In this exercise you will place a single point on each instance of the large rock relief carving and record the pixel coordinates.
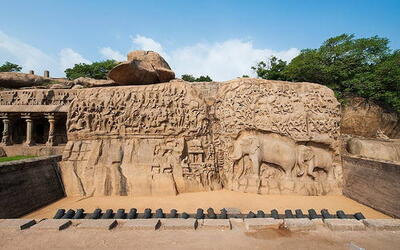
(247, 135)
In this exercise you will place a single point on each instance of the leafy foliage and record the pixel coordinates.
(190, 78)
(10, 67)
(363, 67)
(96, 70)
(273, 69)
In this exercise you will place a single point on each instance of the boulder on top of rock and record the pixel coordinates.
(16, 80)
(142, 67)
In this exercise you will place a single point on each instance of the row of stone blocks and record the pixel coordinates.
(253, 224)
(225, 213)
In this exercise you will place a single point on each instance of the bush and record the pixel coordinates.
(96, 70)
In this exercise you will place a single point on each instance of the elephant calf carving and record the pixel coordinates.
(269, 148)
(313, 157)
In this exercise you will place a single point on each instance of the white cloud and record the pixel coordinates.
(68, 58)
(109, 53)
(221, 61)
(32, 58)
(145, 43)
(29, 57)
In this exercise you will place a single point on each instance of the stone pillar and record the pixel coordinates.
(51, 140)
(6, 140)
(46, 74)
(29, 130)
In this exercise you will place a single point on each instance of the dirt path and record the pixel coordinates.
(189, 202)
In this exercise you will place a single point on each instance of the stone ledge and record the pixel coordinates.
(215, 224)
(97, 224)
(344, 224)
(53, 224)
(178, 224)
(16, 224)
(262, 223)
(302, 224)
(383, 224)
(141, 224)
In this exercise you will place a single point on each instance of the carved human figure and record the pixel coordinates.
(270, 148)
(312, 157)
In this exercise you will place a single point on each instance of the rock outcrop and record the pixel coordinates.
(175, 137)
(142, 67)
(387, 150)
(16, 80)
(366, 119)
(90, 82)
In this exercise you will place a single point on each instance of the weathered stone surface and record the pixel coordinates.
(38, 175)
(16, 224)
(178, 137)
(17, 80)
(142, 67)
(97, 224)
(178, 224)
(53, 224)
(344, 224)
(215, 224)
(373, 183)
(364, 118)
(2, 152)
(299, 224)
(388, 150)
(262, 223)
(90, 82)
(142, 224)
(383, 224)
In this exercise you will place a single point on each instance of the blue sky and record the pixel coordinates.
(219, 38)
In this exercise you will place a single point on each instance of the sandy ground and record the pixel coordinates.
(323, 238)
(189, 202)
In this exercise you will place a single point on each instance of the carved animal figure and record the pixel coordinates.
(269, 148)
(312, 157)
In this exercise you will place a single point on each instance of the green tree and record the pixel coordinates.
(10, 67)
(273, 69)
(96, 70)
(363, 67)
(190, 78)
(340, 62)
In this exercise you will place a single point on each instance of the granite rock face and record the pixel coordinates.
(363, 118)
(175, 137)
(142, 67)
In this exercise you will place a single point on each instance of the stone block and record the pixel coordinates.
(215, 224)
(318, 221)
(53, 224)
(97, 224)
(299, 224)
(232, 210)
(383, 224)
(142, 224)
(344, 224)
(178, 224)
(16, 224)
(262, 223)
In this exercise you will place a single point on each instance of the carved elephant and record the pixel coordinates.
(313, 157)
(269, 148)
